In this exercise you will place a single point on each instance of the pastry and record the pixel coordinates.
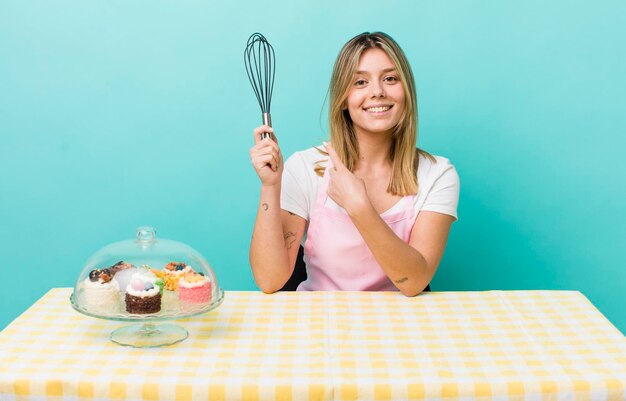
(119, 266)
(99, 294)
(194, 288)
(123, 273)
(151, 275)
(142, 296)
(173, 272)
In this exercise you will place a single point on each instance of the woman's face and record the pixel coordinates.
(376, 98)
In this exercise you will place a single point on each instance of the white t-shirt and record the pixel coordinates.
(438, 185)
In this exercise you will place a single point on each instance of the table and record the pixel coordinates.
(494, 345)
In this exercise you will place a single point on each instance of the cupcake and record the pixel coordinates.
(173, 272)
(142, 296)
(152, 275)
(194, 288)
(122, 273)
(100, 294)
(119, 266)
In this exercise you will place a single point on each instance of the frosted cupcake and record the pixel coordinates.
(142, 296)
(194, 288)
(153, 276)
(119, 266)
(100, 294)
(122, 273)
(173, 272)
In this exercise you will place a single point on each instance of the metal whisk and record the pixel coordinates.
(259, 60)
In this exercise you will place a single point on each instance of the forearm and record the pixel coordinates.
(405, 266)
(268, 255)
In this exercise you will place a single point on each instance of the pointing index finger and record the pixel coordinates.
(334, 157)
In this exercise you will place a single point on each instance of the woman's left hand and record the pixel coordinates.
(346, 189)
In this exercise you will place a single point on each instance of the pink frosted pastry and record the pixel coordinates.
(194, 288)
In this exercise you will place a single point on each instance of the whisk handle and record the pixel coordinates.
(267, 120)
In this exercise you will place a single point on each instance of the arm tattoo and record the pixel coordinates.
(290, 238)
(265, 206)
(402, 280)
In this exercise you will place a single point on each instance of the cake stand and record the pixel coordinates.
(125, 261)
(148, 331)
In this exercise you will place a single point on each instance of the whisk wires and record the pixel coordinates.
(259, 61)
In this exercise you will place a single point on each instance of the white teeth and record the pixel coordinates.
(378, 109)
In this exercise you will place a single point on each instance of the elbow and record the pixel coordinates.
(267, 289)
(410, 292)
(267, 286)
(268, 282)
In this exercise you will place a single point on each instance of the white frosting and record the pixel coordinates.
(123, 277)
(142, 293)
(184, 283)
(101, 298)
(145, 275)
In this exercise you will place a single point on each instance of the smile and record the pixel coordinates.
(377, 109)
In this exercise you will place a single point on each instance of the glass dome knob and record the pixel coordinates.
(146, 234)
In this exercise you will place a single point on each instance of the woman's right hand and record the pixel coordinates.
(266, 157)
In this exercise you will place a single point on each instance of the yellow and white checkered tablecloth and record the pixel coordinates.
(496, 345)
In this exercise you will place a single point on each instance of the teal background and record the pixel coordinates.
(115, 114)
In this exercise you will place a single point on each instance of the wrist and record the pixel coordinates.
(359, 208)
(270, 190)
(275, 186)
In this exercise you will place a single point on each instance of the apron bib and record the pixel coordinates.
(337, 257)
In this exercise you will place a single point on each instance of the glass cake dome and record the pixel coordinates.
(146, 280)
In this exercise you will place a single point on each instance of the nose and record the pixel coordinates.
(377, 89)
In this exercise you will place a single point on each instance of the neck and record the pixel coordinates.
(373, 151)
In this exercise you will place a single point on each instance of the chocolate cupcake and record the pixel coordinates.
(142, 296)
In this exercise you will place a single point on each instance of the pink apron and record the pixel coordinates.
(337, 257)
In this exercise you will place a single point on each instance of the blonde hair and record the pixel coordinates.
(404, 155)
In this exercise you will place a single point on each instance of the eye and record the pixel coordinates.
(391, 79)
(360, 82)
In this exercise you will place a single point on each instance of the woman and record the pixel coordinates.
(375, 210)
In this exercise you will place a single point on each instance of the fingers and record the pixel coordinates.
(266, 144)
(266, 153)
(264, 161)
(259, 131)
(334, 157)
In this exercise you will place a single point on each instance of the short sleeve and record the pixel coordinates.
(294, 197)
(443, 196)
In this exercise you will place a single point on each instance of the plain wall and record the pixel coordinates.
(116, 114)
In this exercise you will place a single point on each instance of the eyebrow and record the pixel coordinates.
(383, 71)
